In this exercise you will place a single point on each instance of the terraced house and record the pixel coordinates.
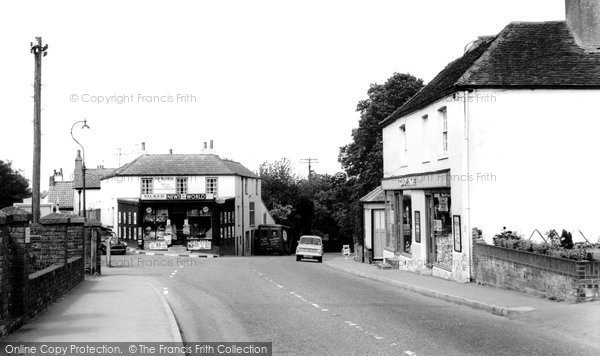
(505, 136)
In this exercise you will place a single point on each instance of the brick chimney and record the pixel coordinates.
(78, 164)
(583, 20)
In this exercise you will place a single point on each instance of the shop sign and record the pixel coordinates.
(199, 245)
(164, 184)
(422, 181)
(437, 225)
(176, 196)
(157, 245)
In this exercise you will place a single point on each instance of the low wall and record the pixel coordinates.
(555, 278)
(49, 284)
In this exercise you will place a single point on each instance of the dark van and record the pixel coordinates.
(273, 238)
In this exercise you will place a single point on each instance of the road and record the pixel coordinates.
(306, 308)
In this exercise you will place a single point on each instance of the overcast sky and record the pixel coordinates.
(263, 79)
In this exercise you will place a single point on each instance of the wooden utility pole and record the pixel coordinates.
(38, 51)
(310, 161)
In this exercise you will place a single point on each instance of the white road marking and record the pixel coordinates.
(324, 309)
(166, 290)
(410, 353)
(279, 286)
(316, 305)
(378, 337)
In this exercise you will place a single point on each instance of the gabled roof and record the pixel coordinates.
(523, 55)
(61, 193)
(92, 177)
(181, 165)
(375, 196)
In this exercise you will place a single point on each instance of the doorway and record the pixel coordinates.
(378, 220)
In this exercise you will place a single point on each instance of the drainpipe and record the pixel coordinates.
(467, 201)
(243, 227)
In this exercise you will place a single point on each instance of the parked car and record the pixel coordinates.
(117, 246)
(310, 247)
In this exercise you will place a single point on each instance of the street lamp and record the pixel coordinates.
(84, 126)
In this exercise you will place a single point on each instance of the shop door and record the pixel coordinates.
(430, 240)
(177, 219)
(378, 233)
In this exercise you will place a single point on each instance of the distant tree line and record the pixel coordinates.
(329, 205)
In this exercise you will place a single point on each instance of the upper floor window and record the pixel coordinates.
(146, 185)
(424, 138)
(404, 146)
(211, 185)
(182, 185)
(444, 120)
(252, 213)
(245, 185)
(256, 186)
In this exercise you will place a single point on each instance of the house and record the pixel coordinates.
(200, 196)
(504, 136)
(60, 192)
(93, 197)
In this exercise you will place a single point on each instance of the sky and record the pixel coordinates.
(262, 79)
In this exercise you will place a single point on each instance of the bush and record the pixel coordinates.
(566, 239)
(507, 239)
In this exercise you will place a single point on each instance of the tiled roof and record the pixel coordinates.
(182, 164)
(375, 196)
(92, 177)
(522, 55)
(61, 193)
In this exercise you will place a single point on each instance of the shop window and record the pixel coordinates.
(444, 119)
(211, 186)
(390, 219)
(182, 185)
(406, 224)
(442, 229)
(146, 185)
(252, 214)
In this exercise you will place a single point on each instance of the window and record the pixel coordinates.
(404, 146)
(182, 185)
(211, 186)
(256, 186)
(252, 213)
(245, 185)
(146, 185)
(444, 119)
(424, 141)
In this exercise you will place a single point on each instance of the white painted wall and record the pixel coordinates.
(542, 146)
(530, 163)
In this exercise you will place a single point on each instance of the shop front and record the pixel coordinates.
(419, 221)
(196, 221)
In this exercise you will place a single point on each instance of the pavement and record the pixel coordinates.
(115, 307)
(577, 320)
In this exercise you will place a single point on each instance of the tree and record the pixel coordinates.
(13, 186)
(362, 159)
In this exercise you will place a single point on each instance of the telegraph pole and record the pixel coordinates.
(38, 51)
(310, 161)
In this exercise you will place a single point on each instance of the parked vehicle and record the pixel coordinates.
(310, 247)
(117, 246)
(273, 238)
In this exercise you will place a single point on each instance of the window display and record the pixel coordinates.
(442, 229)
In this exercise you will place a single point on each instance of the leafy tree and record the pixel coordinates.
(362, 159)
(13, 186)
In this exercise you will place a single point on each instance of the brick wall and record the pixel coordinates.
(34, 274)
(556, 278)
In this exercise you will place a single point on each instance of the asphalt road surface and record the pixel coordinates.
(306, 308)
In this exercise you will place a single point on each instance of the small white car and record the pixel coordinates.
(310, 247)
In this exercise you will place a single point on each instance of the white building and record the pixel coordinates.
(504, 136)
(218, 199)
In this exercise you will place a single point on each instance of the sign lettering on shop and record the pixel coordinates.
(176, 196)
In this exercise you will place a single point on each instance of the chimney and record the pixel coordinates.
(77, 172)
(51, 183)
(144, 147)
(170, 151)
(583, 20)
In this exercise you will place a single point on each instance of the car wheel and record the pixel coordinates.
(298, 258)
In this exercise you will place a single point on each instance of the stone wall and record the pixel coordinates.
(555, 278)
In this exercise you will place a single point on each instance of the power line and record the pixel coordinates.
(310, 161)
